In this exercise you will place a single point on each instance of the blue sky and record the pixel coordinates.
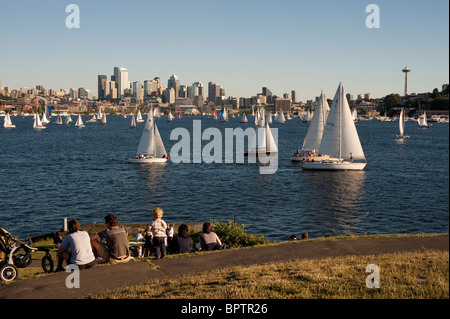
(243, 45)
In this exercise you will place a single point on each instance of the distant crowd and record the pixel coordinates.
(112, 246)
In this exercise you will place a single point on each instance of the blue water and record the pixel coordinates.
(63, 171)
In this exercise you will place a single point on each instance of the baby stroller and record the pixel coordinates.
(18, 255)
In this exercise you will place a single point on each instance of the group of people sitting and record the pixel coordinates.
(111, 245)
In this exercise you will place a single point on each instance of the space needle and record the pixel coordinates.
(406, 70)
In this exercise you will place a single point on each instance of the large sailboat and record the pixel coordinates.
(340, 140)
(401, 125)
(313, 138)
(151, 148)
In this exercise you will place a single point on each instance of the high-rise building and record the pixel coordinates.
(169, 95)
(268, 94)
(174, 82)
(121, 80)
(294, 94)
(101, 86)
(213, 91)
(138, 92)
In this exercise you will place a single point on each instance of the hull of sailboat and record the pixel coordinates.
(147, 160)
(39, 127)
(259, 153)
(302, 158)
(9, 126)
(334, 166)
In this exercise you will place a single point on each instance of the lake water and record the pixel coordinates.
(83, 173)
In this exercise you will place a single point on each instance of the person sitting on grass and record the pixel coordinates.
(182, 241)
(209, 239)
(75, 248)
(117, 248)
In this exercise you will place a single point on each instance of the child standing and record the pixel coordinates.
(139, 251)
(159, 228)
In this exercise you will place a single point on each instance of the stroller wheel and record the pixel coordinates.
(47, 263)
(8, 272)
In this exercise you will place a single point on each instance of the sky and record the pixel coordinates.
(243, 45)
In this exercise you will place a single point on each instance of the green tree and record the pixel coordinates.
(391, 100)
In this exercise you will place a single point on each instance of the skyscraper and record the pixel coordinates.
(101, 86)
(174, 82)
(121, 79)
(294, 94)
(213, 91)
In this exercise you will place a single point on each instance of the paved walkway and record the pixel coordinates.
(106, 277)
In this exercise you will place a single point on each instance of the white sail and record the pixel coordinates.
(244, 118)
(170, 117)
(314, 134)
(340, 137)
(133, 122)
(271, 146)
(225, 115)
(281, 118)
(257, 117)
(422, 120)
(146, 143)
(401, 123)
(7, 122)
(160, 150)
(157, 113)
(139, 117)
(103, 121)
(37, 122)
(269, 118)
(44, 119)
(68, 119)
(79, 122)
(59, 120)
(355, 115)
(262, 118)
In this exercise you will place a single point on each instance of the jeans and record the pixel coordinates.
(159, 246)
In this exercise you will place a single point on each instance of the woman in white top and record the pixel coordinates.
(209, 239)
(76, 248)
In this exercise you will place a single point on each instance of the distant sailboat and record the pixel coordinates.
(170, 117)
(264, 143)
(340, 140)
(355, 115)
(79, 122)
(244, 118)
(151, 148)
(223, 115)
(401, 125)
(281, 118)
(133, 122)
(7, 122)
(103, 120)
(38, 123)
(59, 120)
(93, 119)
(422, 120)
(139, 117)
(45, 120)
(68, 120)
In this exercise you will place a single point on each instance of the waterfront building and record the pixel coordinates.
(74, 93)
(121, 80)
(283, 105)
(169, 95)
(148, 88)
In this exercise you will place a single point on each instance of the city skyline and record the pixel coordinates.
(243, 46)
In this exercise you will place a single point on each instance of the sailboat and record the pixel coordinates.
(151, 148)
(263, 143)
(93, 119)
(422, 120)
(103, 120)
(59, 120)
(139, 117)
(244, 118)
(340, 140)
(79, 122)
(38, 123)
(133, 122)
(401, 125)
(223, 115)
(355, 115)
(281, 118)
(45, 120)
(68, 119)
(7, 122)
(170, 117)
(313, 137)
